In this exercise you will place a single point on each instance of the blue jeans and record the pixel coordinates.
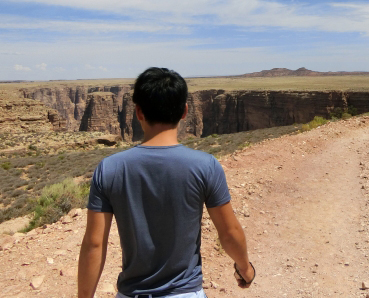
(198, 294)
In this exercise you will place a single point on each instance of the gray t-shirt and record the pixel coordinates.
(157, 196)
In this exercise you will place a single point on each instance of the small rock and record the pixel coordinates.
(108, 288)
(206, 285)
(6, 242)
(32, 233)
(60, 252)
(222, 290)
(37, 282)
(75, 212)
(347, 264)
(50, 260)
(68, 272)
(214, 285)
(67, 219)
(18, 235)
(365, 285)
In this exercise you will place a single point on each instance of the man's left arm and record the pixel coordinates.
(93, 252)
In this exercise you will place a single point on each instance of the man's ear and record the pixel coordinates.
(185, 112)
(139, 114)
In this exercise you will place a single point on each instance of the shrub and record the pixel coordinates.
(337, 113)
(346, 116)
(32, 147)
(57, 200)
(316, 122)
(6, 165)
(346, 113)
(352, 111)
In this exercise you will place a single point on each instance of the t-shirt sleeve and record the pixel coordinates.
(98, 200)
(217, 192)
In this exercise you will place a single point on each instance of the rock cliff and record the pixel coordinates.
(70, 101)
(101, 113)
(110, 108)
(19, 114)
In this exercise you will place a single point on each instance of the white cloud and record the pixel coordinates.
(159, 15)
(11, 22)
(41, 66)
(11, 53)
(90, 67)
(59, 69)
(19, 67)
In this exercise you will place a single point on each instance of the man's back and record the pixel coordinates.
(157, 194)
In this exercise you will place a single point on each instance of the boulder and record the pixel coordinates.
(109, 140)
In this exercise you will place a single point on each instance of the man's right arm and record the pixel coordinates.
(232, 239)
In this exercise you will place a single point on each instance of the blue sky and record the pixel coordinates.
(82, 39)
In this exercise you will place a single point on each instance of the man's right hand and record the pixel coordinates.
(248, 275)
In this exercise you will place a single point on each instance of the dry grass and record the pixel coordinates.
(37, 143)
(72, 83)
(25, 177)
(220, 145)
(344, 83)
(323, 83)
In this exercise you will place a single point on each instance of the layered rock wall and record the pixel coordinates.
(19, 115)
(71, 101)
(210, 111)
(101, 113)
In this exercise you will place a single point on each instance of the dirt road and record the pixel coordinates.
(302, 200)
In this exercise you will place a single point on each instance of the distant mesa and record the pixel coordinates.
(302, 71)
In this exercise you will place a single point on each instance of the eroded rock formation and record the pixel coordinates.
(70, 101)
(101, 113)
(210, 111)
(24, 115)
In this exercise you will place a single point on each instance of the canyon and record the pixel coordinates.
(215, 111)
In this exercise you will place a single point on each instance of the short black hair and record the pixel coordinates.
(161, 94)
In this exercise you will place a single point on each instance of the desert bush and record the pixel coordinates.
(15, 172)
(337, 113)
(340, 113)
(316, 122)
(32, 147)
(352, 111)
(6, 165)
(17, 193)
(346, 116)
(57, 200)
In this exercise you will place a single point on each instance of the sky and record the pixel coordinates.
(91, 39)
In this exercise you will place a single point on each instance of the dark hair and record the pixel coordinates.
(161, 94)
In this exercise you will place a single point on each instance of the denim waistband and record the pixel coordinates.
(198, 294)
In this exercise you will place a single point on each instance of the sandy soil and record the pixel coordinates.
(302, 200)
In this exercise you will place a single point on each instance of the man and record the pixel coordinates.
(156, 192)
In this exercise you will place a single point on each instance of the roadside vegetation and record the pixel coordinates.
(337, 114)
(57, 200)
(24, 178)
(49, 185)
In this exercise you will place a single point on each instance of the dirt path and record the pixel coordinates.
(303, 201)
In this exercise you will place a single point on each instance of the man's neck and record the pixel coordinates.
(160, 135)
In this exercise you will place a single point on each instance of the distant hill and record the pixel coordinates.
(284, 72)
